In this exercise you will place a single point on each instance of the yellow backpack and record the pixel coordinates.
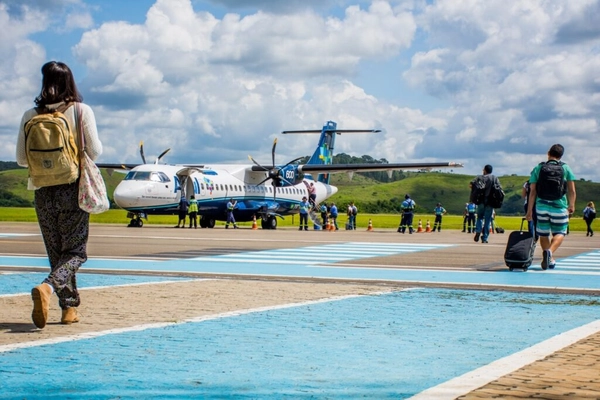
(52, 153)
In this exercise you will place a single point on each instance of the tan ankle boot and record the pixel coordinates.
(41, 304)
(69, 316)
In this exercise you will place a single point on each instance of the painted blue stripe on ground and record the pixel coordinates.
(560, 278)
(387, 346)
(13, 283)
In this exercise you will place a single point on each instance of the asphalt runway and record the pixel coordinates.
(322, 314)
(440, 259)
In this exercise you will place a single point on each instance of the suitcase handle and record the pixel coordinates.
(522, 221)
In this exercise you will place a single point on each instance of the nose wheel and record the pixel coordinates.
(136, 220)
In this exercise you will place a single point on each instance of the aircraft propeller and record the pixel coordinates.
(274, 172)
(157, 159)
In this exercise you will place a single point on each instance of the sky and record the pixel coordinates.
(474, 81)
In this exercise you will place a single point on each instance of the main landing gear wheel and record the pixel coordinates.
(269, 222)
(206, 222)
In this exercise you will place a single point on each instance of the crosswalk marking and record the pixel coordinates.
(581, 264)
(325, 254)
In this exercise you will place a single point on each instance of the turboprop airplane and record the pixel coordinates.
(264, 192)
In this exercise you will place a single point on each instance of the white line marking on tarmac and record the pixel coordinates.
(472, 380)
(143, 327)
(117, 286)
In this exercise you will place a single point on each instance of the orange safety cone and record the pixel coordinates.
(370, 227)
(327, 226)
(428, 227)
(420, 227)
(254, 226)
(332, 226)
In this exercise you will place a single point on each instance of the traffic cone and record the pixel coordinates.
(370, 227)
(254, 226)
(327, 226)
(420, 227)
(428, 227)
(332, 226)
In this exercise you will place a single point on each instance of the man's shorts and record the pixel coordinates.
(551, 220)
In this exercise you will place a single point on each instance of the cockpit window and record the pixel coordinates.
(146, 176)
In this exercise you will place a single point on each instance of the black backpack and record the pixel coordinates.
(551, 183)
(477, 190)
(496, 196)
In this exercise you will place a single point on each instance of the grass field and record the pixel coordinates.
(381, 221)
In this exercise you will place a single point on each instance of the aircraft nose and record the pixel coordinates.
(125, 196)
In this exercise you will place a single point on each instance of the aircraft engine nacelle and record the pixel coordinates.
(289, 175)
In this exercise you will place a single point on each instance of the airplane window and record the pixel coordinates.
(230, 187)
(155, 177)
(138, 176)
(163, 177)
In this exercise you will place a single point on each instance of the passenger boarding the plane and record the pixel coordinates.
(312, 194)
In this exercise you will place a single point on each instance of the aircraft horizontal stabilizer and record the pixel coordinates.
(338, 131)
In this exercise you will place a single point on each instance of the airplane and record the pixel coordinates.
(262, 192)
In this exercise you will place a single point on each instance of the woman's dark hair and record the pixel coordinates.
(58, 85)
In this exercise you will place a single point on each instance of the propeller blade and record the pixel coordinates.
(273, 150)
(263, 181)
(142, 151)
(161, 155)
(293, 161)
(254, 161)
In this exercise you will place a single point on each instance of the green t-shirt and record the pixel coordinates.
(563, 202)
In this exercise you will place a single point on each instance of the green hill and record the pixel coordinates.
(14, 192)
(370, 195)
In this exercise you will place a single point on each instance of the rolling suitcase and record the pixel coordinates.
(519, 249)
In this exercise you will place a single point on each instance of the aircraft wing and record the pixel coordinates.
(117, 166)
(333, 168)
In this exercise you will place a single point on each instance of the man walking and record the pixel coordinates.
(481, 187)
(552, 193)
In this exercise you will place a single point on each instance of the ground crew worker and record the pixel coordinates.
(230, 218)
(469, 222)
(304, 207)
(193, 212)
(439, 212)
(408, 207)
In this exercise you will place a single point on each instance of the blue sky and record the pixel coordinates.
(478, 81)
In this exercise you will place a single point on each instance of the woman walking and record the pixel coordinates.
(63, 224)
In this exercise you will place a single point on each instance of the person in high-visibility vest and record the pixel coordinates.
(193, 212)
(230, 218)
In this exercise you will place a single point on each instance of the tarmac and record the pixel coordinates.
(378, 258)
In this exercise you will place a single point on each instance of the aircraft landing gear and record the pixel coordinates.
(136, 220)
(268, 222)
(206, 222)
(135, 223)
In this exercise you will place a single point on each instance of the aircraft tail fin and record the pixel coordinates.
(323, 154)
